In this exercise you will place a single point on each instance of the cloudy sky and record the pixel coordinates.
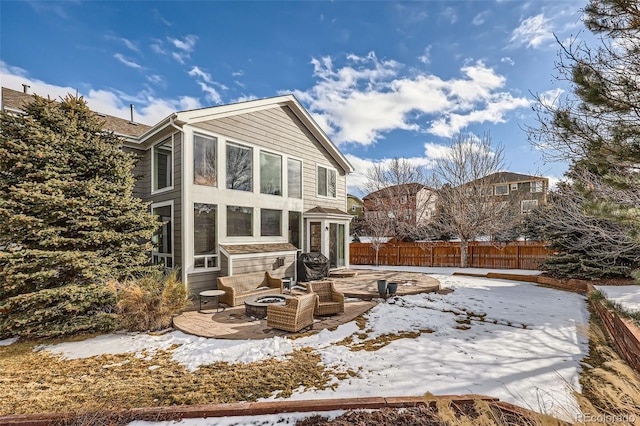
(383, 78)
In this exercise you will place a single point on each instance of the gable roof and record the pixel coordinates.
(14, 101)
(510, 177)
(389, 191)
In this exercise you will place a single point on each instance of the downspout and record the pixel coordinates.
(183, 272)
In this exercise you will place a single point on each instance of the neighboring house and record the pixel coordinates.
(412, 204)
(240, 187)
(524, 192)
(356, 210)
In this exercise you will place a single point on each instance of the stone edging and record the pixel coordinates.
(263, 408)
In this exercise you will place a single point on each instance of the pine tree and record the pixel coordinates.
(596, 127)
(68, 220)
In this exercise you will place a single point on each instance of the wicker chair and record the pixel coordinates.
(294, 316)
(330, 301)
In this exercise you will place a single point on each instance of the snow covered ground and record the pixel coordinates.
(628, 296)
(512, 340)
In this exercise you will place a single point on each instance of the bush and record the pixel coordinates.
(150, 301)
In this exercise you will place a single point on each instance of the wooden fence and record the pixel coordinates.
(512, 255)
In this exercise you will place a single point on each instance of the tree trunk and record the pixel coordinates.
(464, 253)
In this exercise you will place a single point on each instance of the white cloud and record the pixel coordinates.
(425, 58)
(480, 18)
(156, 79)
(368, 97)
(180, 56)
(127, 62)
(149, 109)
(211, 94)
(186, 44)
(131, 45)
(533, 32)
(507, 60)
(156, 47)
(551, 97)
(197, 72)
(356, 181)
(450, 14)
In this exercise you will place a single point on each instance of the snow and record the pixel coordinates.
(263, 420)
(513, 340)
(7, 342)
(628, 296)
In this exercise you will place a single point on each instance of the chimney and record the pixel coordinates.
(25, 88)
(132, 107)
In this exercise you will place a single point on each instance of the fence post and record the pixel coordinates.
(518, 257)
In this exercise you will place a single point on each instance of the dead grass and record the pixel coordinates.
(38, 382)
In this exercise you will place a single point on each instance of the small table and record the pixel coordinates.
(286, 283)
(211, 293)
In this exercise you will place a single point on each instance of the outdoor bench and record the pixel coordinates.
(239, 287)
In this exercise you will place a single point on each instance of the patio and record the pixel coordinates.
(359, 290)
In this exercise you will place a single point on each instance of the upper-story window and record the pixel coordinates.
(536, 186)
(270, 173)
(326, 182)
(204, 161)
(162, 165)
(239, 167)
(514, 186)
(294, 178)
(501, 189)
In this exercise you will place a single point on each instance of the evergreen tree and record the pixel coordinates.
(68, 220)
(596, 127)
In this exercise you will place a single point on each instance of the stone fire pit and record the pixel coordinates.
(256, 306)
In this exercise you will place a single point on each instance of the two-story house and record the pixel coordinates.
(240, 188)
(412, 204)
(523, 192)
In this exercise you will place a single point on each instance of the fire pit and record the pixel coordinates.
(256, 306)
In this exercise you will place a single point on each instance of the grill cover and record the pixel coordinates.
(312, 266)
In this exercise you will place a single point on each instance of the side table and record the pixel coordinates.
(286, 283)
(211, 293)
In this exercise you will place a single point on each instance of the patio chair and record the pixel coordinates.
(295, 315)
(330, 301)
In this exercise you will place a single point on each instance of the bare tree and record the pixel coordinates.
(466, 206)
(399, 194)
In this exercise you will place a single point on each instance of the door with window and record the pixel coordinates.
(336, 245)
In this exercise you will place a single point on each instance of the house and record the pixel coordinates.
(412, 204)
(354, 206)
(240, 188)
(524, 192)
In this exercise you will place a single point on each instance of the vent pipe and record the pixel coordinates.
(132, 107)
(25, 88)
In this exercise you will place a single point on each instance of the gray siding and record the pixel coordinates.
(280, 130)
(202, 281)
(261, 263)
(141, 172)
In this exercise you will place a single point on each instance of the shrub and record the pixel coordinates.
(150, 301)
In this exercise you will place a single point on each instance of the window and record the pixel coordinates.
(204, 161)
(205, 241)
(294, 178)
(270, 223)
(501, 189)
(239, 221)
(315, 237)
(295, 219)
(162, 159)
(536, 186)
(527, 205)
(514, 186)
(239, 167)
(403, 199)
(326, 182)
(270, 174)
(353, 207)
(161, 239)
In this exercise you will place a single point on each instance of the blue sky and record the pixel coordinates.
(382, 78)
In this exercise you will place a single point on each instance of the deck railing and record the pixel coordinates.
(493, 255)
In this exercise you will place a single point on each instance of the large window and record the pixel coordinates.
(295, 224)
(326, 182)
(204, 161)
(162, 170)
(270, 223)
(501, 189)
(162, 238)
(205, 241)
(536, 186)
(294, 178)
(527, 205)
(270, 174)
(239, 221)
(239, 167)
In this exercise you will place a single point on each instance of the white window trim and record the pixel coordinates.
(316, 182)
(281, 222)
(285, 185)
(525, 201)
(153, 167)
(282, 171)
(500, 195)
(514, 187)
(535, 182)
(254, 224)
(216, 139)
(154, 253)
(192, 253)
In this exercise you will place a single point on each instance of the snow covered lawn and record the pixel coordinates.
(512, 340)
(628, 296)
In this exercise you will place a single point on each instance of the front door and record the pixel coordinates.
(336, 245)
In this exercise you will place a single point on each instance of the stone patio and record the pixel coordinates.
(360, 290)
